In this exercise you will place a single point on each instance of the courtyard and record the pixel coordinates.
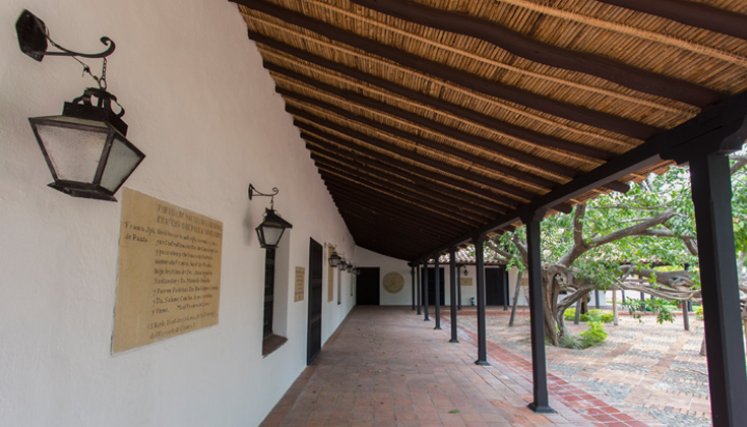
(644, 368)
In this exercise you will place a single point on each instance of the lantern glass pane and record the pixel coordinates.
(272, 235)
(75, 153)
(122, 161)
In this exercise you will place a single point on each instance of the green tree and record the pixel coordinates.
(617, 235)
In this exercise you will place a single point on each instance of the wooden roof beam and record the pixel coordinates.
(373, 192)
(427, 178)
(425, 197)
(415, 229)
(463, 78)
(537, 51)
(707, 128)
(411, 229)
(411, 189)
(403, 177)
(377, 199)
(532, 137)
(319, 125)
(488, 145)
(690, 13)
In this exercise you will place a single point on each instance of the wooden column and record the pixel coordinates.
(711, 188)
(453, 273)
(459, 289)
(418, 288)
(537, 319)
(482, 350)
(412, 286)
(437, 287)
(426, 303)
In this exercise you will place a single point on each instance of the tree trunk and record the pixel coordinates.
(516, 299)
(614, 306)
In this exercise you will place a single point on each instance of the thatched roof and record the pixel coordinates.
(428, 120)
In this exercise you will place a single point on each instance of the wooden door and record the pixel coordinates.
(432, 286)
(367, 286)
(496, 286)
(314, 333)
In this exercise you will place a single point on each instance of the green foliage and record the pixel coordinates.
(699, 312)
(662, 308)
(616, 211)
(590, 316)
(595, 335)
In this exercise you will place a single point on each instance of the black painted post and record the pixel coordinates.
(503, 272)
(412, 286)
(596, 299)
(537, 318)
(437, 287)
(453, 273)
(482, 348)
(459, 288)
(426, 303)
(418, 289)
(685, 316)
(711, 191)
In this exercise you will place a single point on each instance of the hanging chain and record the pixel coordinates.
(101, 81)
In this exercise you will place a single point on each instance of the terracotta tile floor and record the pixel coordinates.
(387, 367)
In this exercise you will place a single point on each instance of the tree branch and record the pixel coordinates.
(633, 230)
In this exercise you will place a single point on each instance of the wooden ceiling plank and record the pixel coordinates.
(706, 129)
(538, 139)
(403, 187)
(427, 178)
(538, 51)
(440, 148)
(404, 225)
(509, 189)
(491, 146)
(403, 177)
(472, 81)
(425, 197)
(340, 186)
(375, 194)
(690, 13)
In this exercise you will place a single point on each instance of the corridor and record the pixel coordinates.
(387, 367)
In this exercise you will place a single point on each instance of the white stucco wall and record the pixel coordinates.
(367, 258)
(203, 109)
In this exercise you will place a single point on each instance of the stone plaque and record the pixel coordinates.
(298, 295)
(393, 282)
(466, 281)
(169, 271)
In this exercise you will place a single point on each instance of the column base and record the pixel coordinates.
(482, 363)
(437, 328)
(454, 341)
(541, 409)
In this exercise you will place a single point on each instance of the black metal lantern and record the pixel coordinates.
(271, 230)
(85, 148)
(334, 260)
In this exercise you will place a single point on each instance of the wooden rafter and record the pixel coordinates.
(691, 13)
(527, 47)
(472, 81)
(537, 138)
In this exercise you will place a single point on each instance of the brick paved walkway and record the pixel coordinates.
(650, 371)
(386, 367)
